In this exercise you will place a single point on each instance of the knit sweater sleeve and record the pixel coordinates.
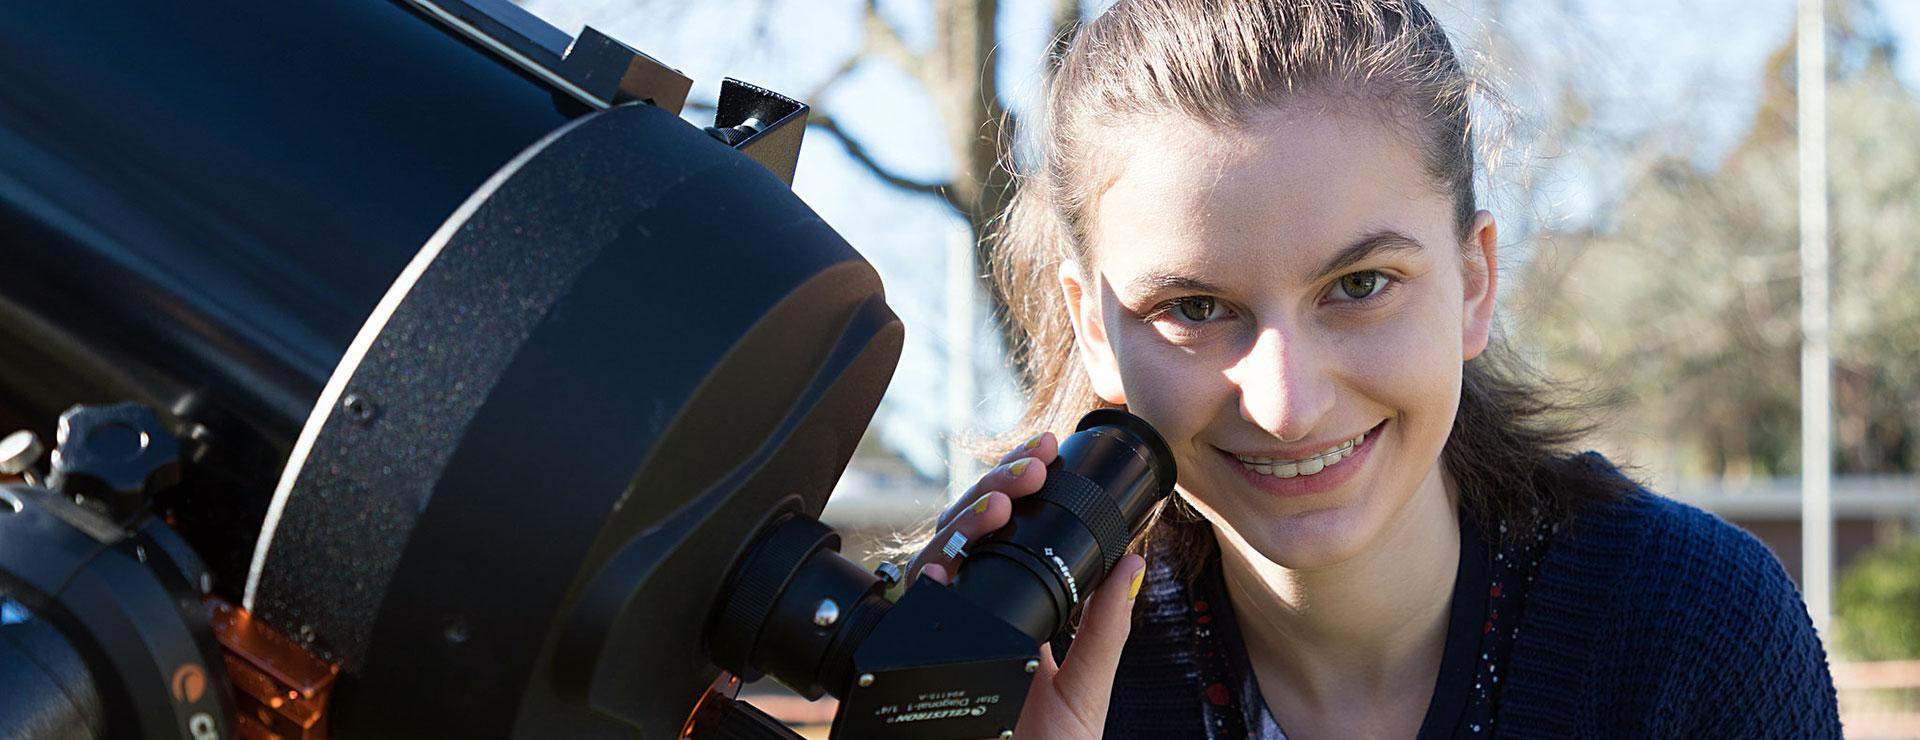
(1709, 638)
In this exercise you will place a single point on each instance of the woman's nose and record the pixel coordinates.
(1284, 387)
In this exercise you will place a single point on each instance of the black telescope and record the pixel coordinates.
(411, 368)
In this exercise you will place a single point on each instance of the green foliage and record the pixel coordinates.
(1878, 604)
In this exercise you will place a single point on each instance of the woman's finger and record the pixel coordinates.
(1085, 680)
(987, 513)
(1042, 445)
(1017, 477)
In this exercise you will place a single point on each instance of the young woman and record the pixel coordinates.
(1253, 224)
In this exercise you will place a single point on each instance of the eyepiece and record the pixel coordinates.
(1030, 574)
(1062, 540)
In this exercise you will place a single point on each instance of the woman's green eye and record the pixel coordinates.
(1196, 308)
(1360, 285)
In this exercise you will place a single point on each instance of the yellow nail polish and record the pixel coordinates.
(980, 507)
(1032, 443)
(1017, 468)
(1138, 577)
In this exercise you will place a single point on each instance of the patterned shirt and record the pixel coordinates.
(1488, 601)
(1644, 617)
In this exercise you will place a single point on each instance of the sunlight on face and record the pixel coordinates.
(1288, 303)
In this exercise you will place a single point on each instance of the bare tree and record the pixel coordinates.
(958, 74)
(1686, 299)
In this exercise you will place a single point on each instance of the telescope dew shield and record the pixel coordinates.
(479, 388)
(202, 203)
(514, 463)
(615, 363)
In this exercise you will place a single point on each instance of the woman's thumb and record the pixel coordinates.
(1086, 680)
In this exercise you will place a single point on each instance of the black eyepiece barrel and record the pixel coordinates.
(1062, 541)
(799, 612)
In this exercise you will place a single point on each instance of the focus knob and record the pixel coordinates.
(111, 457)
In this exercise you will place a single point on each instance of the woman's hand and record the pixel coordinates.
(1065, 701)
(986, 506)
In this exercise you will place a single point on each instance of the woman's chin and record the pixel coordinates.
(1310, 540)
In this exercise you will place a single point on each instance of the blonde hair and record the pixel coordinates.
(1221, 63)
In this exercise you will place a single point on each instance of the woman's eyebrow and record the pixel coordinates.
(1385, 240)
(1154, 282)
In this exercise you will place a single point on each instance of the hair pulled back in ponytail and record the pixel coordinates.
(1220, 64)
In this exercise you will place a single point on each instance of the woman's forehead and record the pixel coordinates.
(1284, 193)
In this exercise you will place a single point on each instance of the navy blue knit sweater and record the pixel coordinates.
(1648, 618)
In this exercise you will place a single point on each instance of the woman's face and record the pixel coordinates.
(1290, 304)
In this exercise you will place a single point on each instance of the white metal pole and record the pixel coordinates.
(960, 400)
(1816, 361)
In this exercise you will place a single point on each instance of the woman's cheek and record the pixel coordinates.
(1397, 354)
(1410, 365)
(1419, 340)
(1170, 386)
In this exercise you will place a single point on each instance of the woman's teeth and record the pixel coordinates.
(1309, 466)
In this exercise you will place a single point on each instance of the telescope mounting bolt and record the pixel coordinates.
(113, 457)
(20, 452)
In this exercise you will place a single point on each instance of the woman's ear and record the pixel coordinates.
(1482, 271)
(1090, 332)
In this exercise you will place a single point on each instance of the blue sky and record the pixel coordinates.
(1690, 68)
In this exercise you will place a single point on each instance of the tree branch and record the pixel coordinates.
(860, 154)
(819, 91)
(883, 39)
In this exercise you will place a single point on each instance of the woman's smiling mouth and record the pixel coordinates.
(1308, 466)
(1312, 474)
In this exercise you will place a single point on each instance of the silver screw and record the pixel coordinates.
(1033, 666)
(866, 679)
(1006, 735)
(826, 613)
(955, 545)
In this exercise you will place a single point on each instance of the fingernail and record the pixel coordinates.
(1020, 467)
(1032, 443)
(1138, 576)
(980, 506)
